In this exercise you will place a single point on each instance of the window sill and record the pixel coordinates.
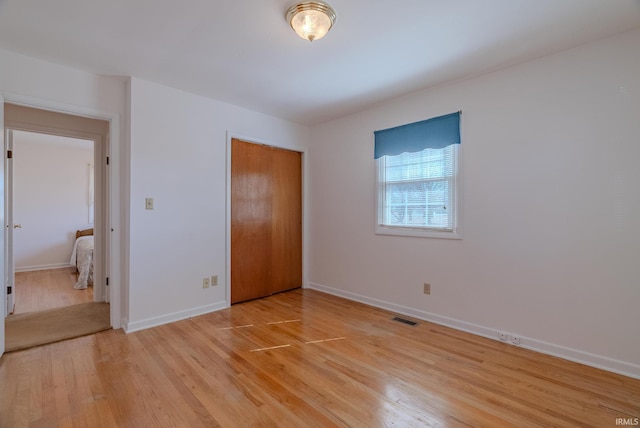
(417, 232)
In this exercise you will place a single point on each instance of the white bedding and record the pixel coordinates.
(82, 258)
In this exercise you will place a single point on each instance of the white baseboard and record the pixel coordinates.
(42, 267)
(575, 355)
(130, 327)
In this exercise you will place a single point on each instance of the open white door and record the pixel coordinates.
(9, 268)
(2, 275)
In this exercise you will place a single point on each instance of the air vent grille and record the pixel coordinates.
(405, 321)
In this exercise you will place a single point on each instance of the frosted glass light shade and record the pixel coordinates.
(311, 20)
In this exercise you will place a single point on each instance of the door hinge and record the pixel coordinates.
(9, 154)
(9, 290)
(107, 282)
(107, 160)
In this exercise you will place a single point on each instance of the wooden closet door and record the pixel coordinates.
(250, 221)
(286, 220)
(266, 220)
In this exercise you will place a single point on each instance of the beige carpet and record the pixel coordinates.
(38, 328)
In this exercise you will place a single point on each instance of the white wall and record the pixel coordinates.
(51, 195)
(178, 157)
(52, 83)
(551, 205)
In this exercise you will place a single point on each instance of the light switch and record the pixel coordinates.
(148, 203)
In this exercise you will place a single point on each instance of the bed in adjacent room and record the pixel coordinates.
(82, 258)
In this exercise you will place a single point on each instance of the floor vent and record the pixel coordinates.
(405, 321)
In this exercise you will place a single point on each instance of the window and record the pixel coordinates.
(417, 179)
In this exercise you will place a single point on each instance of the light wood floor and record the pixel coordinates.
(48, 289)
(303, 359)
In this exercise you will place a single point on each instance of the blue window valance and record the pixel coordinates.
(434, 133)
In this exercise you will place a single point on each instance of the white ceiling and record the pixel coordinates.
(243, 52)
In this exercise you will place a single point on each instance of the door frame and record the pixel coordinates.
(287, 146)
(3, 313)
(112, 194)
(9, 279)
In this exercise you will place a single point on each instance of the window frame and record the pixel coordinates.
(423, 232)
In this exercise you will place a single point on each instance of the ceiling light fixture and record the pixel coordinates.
(311, 20)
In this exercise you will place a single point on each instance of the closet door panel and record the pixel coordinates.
(251, 189)
(266, 220)
(286, 220)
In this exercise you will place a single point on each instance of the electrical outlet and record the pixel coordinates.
(214, 280)
(427, 288)
(503, 336)
(515, 340)
(206, 282)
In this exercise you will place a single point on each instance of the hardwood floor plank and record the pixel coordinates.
(271, 394)
(210, 390)
(48, 289)
(331, 363)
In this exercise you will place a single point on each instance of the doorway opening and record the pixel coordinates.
(56, 189)
(53, 201)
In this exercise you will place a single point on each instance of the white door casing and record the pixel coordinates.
(2, 274)
(34, 119)
(112, 194)
(9, 268)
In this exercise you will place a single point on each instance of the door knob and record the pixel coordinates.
(17, 226)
